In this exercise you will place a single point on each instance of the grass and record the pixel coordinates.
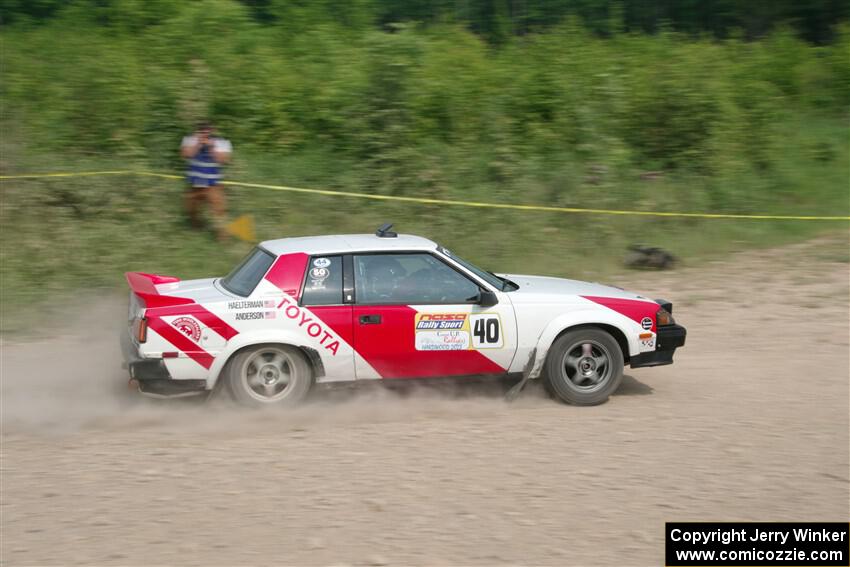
(66, 236)
(80, 234)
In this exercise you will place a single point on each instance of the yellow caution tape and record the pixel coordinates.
(72, 174)
(447, 202)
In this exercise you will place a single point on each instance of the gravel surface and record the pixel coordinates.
(750, 423)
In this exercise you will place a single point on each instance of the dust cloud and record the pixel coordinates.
(69, 374)
(70, 378)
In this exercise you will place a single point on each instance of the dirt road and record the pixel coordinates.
(750, 423)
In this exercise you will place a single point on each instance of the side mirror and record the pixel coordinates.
(487, 298)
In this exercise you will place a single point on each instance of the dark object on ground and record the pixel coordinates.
(649, 257)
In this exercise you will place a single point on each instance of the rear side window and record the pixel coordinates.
(245, 277)
(323, 285)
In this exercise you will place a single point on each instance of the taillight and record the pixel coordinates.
(142, 330)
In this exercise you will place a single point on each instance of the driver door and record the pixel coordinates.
(416, 316)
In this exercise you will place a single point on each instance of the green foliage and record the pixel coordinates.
(495, 20)
(134, 84)
(456, 100)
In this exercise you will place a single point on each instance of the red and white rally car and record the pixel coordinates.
(299, 311)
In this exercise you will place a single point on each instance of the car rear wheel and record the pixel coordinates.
(584, 367)
(268, 375)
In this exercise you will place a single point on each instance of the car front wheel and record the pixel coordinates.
(584, 367)
(270, 374)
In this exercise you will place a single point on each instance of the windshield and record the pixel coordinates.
(245, 277)
(502, 284)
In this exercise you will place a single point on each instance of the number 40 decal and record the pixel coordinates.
(486, 331)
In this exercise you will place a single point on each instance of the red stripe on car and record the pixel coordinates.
(287, 273)
(181, 342)
(634, 309)
(390, 346)
(337, 318)
(200, 313)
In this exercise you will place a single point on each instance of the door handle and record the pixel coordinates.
(370, 319)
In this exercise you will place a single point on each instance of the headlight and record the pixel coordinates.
(663, 317)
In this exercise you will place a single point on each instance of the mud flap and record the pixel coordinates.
(514, 392)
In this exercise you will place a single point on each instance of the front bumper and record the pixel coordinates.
(152, 375)
(667, 340)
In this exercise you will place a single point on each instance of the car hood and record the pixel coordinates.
(531, 287)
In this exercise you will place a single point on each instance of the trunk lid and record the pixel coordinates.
(152, 290)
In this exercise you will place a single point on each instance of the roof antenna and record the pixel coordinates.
(385, 232)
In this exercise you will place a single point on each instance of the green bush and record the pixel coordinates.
(315, 94)
(131, 77)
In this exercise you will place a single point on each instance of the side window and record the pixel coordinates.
(409, 279)
(323, 284)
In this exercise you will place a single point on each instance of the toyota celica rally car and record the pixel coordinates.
(299, 311)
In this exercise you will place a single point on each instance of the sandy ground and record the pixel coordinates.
(750, 423)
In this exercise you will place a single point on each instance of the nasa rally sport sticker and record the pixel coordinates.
(442, 331)
(188, 327)
(322, 262)
(646, 323)
(458, 331)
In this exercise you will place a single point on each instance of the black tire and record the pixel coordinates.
(269, 375)
(574, 371)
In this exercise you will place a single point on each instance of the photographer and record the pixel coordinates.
(205, 153)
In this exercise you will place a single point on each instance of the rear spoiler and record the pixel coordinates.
(144, 286)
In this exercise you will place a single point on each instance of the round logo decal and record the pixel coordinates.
(322, 262)
(646, 323)
(319, 273)
(188, 327)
